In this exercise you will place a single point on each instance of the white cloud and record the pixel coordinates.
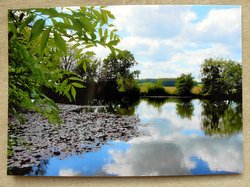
(170, 40)
(68, 172)
(100, 51)
(160, 21)
(154, 160)
(220, 155)
(220, 26)
(184, 61)
(168, 151)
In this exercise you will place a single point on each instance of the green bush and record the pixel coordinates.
(156, 90)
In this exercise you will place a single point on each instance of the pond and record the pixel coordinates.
(181, 137)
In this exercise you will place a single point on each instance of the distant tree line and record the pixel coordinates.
(220, 79)
(164, 81)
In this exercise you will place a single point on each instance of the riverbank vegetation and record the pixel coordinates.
(51, 61)
(55, 77)
(221, 79)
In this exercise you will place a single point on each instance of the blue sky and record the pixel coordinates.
(169, 40)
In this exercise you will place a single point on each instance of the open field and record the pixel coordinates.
(170, 89)
(197, 90)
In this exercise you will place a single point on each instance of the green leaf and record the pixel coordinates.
(12, 28)
(84, 66)
(63, 85)
(105, 35)
(75, 46)
(87, 24)
(83, 9)
(26, 22)
(67, 89)
(75, 79)
(111, 35)
(100, 32)
(67, 21)
(37, 29)
(113, 42)
(63, 26)
(60, 42)
(90, 53)
(73, 92)
(44, 40)
(68, 96)
(98, 14)
(48, 11)
(78, 53)
(77, 85)
(77, 24)
(90, 45)
(110, 15)
(105, 16)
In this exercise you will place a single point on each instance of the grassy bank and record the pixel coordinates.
(170, 90)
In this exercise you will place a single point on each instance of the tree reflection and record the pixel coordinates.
(159, 102)
(125, 106)
(222, 118)
(185, 108)
(156, 102)
(39, 170)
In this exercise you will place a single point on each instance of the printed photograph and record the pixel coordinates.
(131, 90)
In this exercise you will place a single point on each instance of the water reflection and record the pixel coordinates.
(186, 137)
(148, 158)
(39, 170)
(185, 108)
(222, 118)
(170, 157)
(125, 107)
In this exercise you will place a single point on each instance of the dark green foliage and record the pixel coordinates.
(156, 102)
(222, 118)
(156, 90)
(38, 39)
(184, 84)
(184, 108)
(109, 79)
(221, 78)
(89, 73)
(116, 74)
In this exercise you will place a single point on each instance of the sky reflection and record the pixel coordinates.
(175, 146)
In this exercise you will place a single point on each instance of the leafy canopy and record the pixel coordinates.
(184, 84)
(221, 77)
(38, 38)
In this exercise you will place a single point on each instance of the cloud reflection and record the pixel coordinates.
(68, 172)
(170, 151)
(150, 158)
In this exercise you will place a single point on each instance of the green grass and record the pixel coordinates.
(145, 86)
(169, 89)
(197, 90)
(172, 90)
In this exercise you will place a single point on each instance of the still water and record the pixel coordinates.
(184, 137)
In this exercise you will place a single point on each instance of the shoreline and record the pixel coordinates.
(79, 133)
